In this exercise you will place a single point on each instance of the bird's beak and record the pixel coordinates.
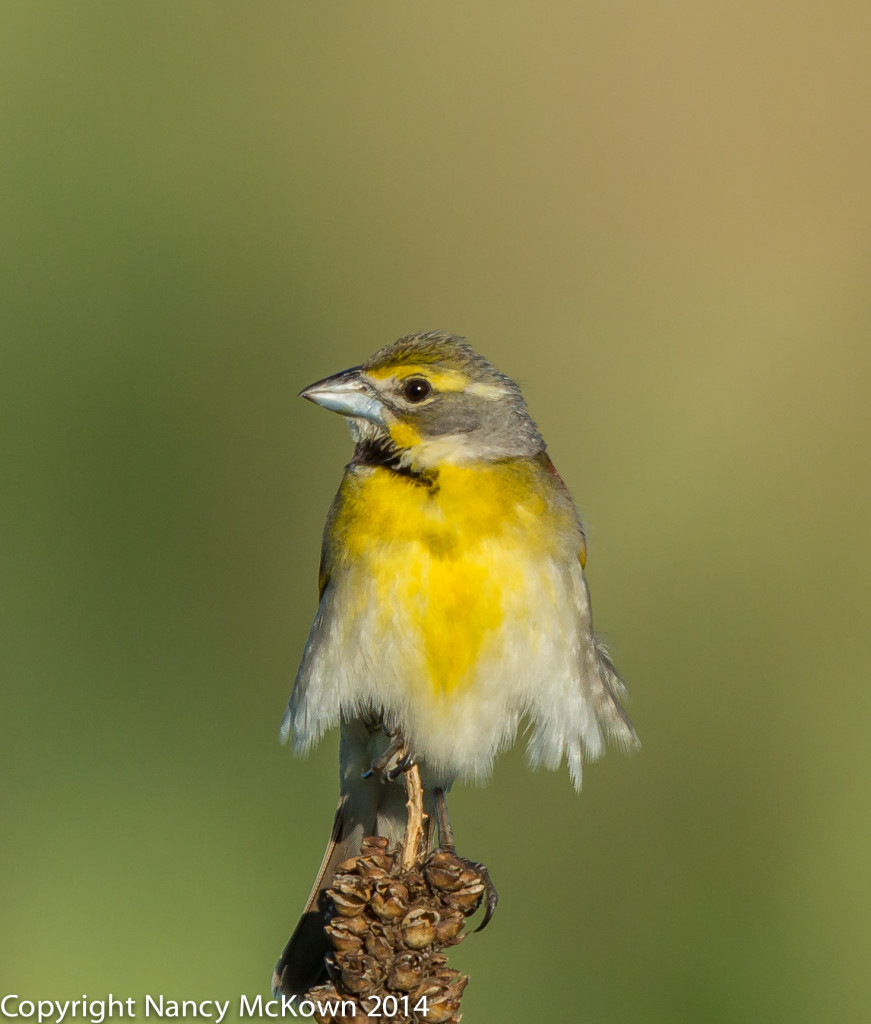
(346, 393)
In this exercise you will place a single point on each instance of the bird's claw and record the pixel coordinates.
(394, 760)
(491, 896)
(405, 762)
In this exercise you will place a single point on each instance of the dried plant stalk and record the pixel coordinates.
(414, 828)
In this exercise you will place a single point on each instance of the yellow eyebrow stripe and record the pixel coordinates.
(442, 380)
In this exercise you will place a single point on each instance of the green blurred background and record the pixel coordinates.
(657, 216)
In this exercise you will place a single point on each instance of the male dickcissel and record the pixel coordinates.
(453, 602)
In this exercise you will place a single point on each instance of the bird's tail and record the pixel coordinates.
(367, 807)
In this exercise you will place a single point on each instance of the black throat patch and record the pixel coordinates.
(384, 453)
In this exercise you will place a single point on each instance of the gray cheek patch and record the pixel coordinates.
(451, 414)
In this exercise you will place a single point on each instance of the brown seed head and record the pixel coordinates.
(321, 995)
(468, 897)
(342, 938)
(379, 946)
(389, 899)
(359, 973)
(445, 1001)
(444, 871)
(388, 929)
(418, 927)
(375, 865)
(416, 885)
(449, 927)
(349, 894)
(374, 844)
(406, 972)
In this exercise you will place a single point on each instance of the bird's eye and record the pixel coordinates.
(416, 389)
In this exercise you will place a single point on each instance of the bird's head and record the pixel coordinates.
(430, 399)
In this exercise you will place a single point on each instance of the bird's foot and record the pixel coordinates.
(446, 844)
(394, 761)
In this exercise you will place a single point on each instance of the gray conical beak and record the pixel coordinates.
(348, 394)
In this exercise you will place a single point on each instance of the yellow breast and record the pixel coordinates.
(444, 561)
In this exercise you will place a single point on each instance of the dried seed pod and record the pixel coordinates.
(342, 938)
(444, 871)
(391, 932)
(379, 946)
(406, 972)
(375, 844)
(451, 980)
(389, 899)
(449, 927)
(374, 866)
(359, 973)
(418, 927)
(427, 989)
(320, 995)
(357, 925)
(441, 1008)
(470, 875)
(349, 894)
(441, 1011)
(388, 929)
(445, 1001)
(416, 885)
(467, 899)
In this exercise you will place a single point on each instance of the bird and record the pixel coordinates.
(453, 604)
